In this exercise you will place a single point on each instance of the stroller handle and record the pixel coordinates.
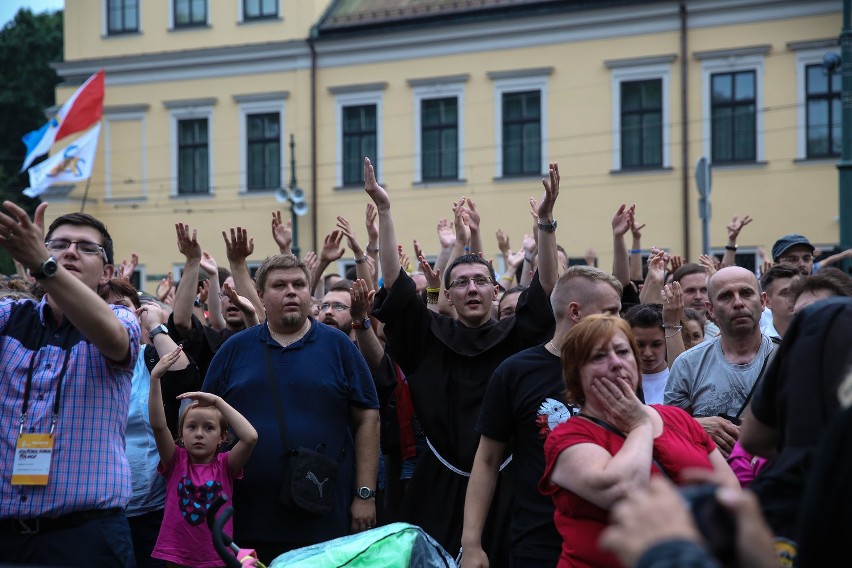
(221, 541)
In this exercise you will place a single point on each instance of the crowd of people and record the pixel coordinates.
(664, 413)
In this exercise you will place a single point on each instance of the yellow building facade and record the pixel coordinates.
(202, 98)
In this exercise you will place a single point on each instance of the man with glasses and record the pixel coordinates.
(66, 363)
(334, 309)
(448, 363)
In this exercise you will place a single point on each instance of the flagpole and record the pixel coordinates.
(85, 194)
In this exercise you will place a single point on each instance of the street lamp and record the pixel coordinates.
(295, 196)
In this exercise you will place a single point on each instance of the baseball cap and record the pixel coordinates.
(786, 242)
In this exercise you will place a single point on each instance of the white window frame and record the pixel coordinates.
(190, 113)
(105, 19)
(143, 150)
(732, 64)
(516, 85)
(260, 107)
(170, 10)
(803, 60)
(241, 18)
(357, 99)
(437, 91)
(640, 73)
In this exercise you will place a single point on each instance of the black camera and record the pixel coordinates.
(715, 523)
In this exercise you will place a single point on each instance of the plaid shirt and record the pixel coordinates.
(88, 469)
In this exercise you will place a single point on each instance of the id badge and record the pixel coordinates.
(32, 459)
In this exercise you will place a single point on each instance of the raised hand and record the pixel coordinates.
(736, 225)
(514, 260)
(282, 233)
(433, 277)
(372, 224)
(187, 241)
(503, 242)
(165, 287)
(239, 247)
(165, 363)
(446, 233)
(359, 296)
(676, 261)
(672, 295)
(473, 215)
(351, 239)
(331, 250)
(376, 192)
(311, 261)
(551, 192)
(199, 398)
(209, 265)
(462, 219)
(622, 220)
(418, 252)
(128, 266)
(709, 263)
(636, 231)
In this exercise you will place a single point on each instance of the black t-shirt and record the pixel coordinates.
(522, 404)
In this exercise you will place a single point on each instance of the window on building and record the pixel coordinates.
(522, 133)
(122, 16)
(359, 140)
(260, 9)
(190, 13)
(823, 112)
(733, 117)
(439, 123)
(642, 124)
(264, 151)
(193, 157)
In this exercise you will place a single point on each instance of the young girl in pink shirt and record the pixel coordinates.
(196, 473)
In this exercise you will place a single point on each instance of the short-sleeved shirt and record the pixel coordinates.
(704, 383)
(89, 469)
(320, 378)
(522, 404)
(191, 489)
(682, 444)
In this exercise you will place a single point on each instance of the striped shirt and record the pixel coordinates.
(88, 469)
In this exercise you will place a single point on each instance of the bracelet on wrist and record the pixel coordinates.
(528, 258)
(672, 326)
(431, 299)
(635, 251)
(507, 278)
(731, 248)
(360, 259)
(432, 290)
(672, 334)
(373, 249)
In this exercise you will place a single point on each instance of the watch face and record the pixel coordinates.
(365, 493)
(50, 266)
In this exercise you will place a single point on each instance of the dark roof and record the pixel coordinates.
(360, 15)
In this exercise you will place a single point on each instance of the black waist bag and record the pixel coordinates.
(310, 481)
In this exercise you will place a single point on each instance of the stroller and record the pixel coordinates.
(398, 545)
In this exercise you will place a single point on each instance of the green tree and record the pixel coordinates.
(28, 44)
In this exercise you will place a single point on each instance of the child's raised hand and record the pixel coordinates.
(165, 363)
(199, 398)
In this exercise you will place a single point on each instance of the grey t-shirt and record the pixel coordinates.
(704, 383)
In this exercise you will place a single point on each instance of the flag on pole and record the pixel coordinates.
(71, 165)
(83, 109)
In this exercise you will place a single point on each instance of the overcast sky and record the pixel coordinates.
(8, 8)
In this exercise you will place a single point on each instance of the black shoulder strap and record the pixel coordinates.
(276, 399)
(766, 359)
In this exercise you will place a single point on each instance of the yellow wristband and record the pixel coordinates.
(432, 290)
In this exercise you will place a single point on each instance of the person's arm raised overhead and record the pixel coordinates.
(214, 303)
(128, 267)
(361, 297)
(548, 264)
(330, 252)
(672, 315)
(238, 248)
(734, 227)
(635, 260)
(282, 233)
(447, 240)
(157, 412)
(621, 222)
(474, 220)
(388, 257)
(372, 224)
(187, 243)
(24, 241)
(503, 245)
(243, 304)
(362, 268)
(655, 278)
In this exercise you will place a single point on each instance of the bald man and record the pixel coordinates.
(713, 381)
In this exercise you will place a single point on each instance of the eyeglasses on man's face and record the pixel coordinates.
(795, 259)
(83, 247)
(478, 281)
(336, 306)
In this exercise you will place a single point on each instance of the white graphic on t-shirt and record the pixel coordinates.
(551, 414)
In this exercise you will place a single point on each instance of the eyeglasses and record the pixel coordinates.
(479, 281)
(85, 247)
(337, 307)
(793, 259)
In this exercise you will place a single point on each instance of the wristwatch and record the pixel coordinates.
(157, 331)
(47, 270)
(361, 324)
(547, 227)
(365, 493)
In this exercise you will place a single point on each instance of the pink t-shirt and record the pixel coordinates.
(745, 466)
(191, 490)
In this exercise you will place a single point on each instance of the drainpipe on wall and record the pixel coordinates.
(314, 199)
(684, 128)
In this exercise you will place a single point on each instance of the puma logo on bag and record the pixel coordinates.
(310, 475)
